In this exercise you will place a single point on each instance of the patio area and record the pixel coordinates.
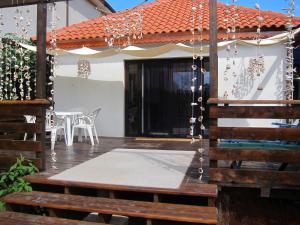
(68, 157)
(198, 114)
(192, 192)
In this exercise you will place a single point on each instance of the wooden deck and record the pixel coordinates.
(68, 157)
(194, 202)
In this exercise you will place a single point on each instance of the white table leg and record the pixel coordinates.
(69, 131)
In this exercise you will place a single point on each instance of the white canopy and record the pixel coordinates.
(155, 51)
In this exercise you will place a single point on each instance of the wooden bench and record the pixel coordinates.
(263, 167)
(14, 218)
(106, 206)
(187, 189)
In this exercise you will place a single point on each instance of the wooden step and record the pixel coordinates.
(148, 210)
(188, 189)
(14, 218)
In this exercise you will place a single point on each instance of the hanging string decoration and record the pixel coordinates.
(235, 16)
(84, 69)
(194, 69)
(290, 70)
(201, 92)
(124, 27)
(52, 59)
(256, 66)
(16, 73)
(1, 57)
(231, 19)
(197, 81)
(52, 65)
(227, 12)
(21, 57)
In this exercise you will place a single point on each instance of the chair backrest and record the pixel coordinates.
(49, 120)
(94, 114)
(52, 120)
(30, 119)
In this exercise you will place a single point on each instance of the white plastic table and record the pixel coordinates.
(68, 117)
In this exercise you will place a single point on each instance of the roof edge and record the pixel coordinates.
(103, 3)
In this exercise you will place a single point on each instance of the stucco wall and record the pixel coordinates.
(105, 88)
(79, 10)
(272, 81)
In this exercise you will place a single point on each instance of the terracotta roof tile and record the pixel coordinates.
(173, 16)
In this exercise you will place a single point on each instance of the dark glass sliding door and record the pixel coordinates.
(133, 99)
(158, 97)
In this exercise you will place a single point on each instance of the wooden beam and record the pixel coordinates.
(14, 3)
(213, 48)
(254, 133)
(41, 51)
(41, 72)
(213, 66)
(25, 102)
(258, 178)
(247, 102)
(254, 112)
(255, 155)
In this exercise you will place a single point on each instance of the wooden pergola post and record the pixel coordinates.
(41, 69)
(213, 48)
(41, 51)
(213, 66)
(36, 107)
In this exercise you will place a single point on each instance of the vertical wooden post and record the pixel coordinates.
(41, 50)
(213, 65)
(67, 13)
(213, 48)
(41, 71)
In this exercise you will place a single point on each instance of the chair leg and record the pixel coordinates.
(85, 135)
(65, 136)
(25, 136)
(53, 138)
(80, 135)
(89, 129)
(72, 133)
(34, 137)
(59, 135)
(96, 135)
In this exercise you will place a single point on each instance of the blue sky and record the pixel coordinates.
(274, 5)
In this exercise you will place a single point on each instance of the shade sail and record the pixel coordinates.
(156, 51)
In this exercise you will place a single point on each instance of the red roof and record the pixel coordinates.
(171, 19)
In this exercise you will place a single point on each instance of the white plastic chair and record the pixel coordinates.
(87, 123)
(30, 119)
(53, 125)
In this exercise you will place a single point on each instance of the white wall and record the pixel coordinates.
(79, 10)
(272, 80)
(105, 88)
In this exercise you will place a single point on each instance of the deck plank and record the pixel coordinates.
(189, 189)
(148, 210)
(14, 218)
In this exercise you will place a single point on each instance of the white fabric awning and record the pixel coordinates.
(156, 51)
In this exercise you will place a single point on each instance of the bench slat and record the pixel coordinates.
(255, 133)
(257, 155)
(148, 210)
(257, 178)
(14, 218)
(190, 189)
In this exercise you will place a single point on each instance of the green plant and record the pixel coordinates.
(2, 206)
(12, 180)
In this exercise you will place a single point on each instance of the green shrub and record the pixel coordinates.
(12, 180)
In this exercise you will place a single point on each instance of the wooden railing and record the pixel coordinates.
(254, 166)
(13, 128)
